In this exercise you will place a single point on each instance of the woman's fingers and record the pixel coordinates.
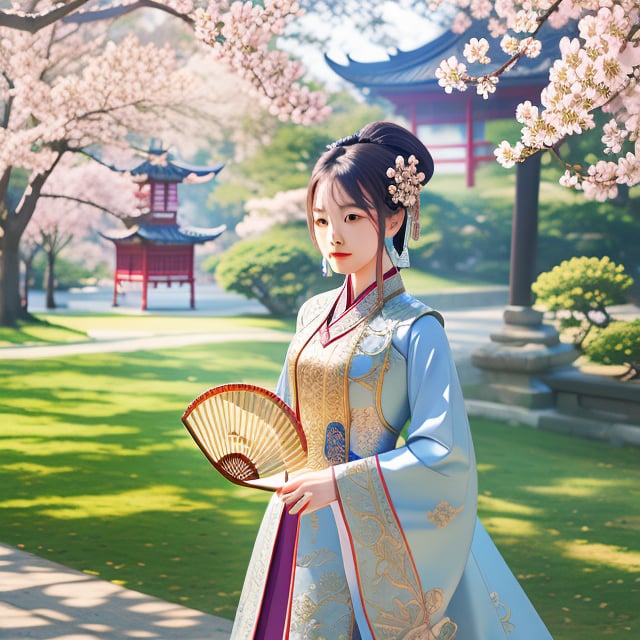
(288, 487)
(300, 504)
(308, 492)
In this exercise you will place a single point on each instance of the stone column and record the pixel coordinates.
(525, 347)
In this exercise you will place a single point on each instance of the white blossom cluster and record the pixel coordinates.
(597, 70)
(241, 34)
(264, 213)
(125, 87)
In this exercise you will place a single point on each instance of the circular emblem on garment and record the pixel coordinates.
(374, 343)
(335, 446)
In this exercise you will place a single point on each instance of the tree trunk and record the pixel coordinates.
(10, 308)
(25, 289)
(50, 278)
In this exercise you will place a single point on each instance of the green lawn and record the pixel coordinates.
(98, 473)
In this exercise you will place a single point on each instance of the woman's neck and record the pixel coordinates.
(362, 280)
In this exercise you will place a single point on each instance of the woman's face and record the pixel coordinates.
(347, 235)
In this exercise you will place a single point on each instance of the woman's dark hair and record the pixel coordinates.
(359, 165)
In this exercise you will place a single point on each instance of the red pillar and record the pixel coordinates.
(470, 161)
(192, 280)
(115, 284)
(145, 278)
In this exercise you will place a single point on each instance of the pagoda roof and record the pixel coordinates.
(414, 70)
(164, 234)
(163, 167)
(160, 165)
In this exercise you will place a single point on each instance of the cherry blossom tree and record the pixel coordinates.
(55, 227)
(62, 90)
(240, 34)
(64, 87)
(597, 70)
(69, 207)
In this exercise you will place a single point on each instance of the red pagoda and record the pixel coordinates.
(154, 249)
(407, 80)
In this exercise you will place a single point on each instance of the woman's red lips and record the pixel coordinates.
(339, 255)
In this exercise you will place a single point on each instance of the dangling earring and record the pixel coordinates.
(326, 269)
(403, 258)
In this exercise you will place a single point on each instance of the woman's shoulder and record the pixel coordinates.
(406, 309)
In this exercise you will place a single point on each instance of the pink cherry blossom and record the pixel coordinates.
(486, 85)
(476, 51)
(507, 155)
(598, 69)
(526, 112)
(240, 34)
(613, 137)
(263, 213)
(451, 74)
(628, 171)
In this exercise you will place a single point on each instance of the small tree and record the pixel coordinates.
(580, 290)
(277, 269)
(66, 210)
(29, 248)
(618, 344)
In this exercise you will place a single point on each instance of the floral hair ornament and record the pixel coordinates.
(405, 191)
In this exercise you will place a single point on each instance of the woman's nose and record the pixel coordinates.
(335, 235)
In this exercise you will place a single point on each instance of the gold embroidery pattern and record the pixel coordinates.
(256, 577)
(316, 559)
(367, 431)
(443, 514)
(503, 611)
(321, 376)
(391, 589)
(330, 590)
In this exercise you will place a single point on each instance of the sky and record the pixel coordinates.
(412, 31)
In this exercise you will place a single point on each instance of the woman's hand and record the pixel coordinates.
(309, 492)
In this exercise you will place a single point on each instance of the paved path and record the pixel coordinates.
(42, 600)
(111, 342)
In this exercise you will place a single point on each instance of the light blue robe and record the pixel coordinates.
(401, 553)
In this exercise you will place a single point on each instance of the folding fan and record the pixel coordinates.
(248, 434)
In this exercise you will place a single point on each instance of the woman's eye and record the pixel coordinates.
(352, 216)
(320, 222)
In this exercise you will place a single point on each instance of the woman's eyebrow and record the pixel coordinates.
(346, 205)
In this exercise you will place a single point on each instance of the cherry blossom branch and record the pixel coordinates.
(82, 201)
(598, 70)
(241, 34)
(34, 22)
(120, 10)
(8, 102)
(30, 197)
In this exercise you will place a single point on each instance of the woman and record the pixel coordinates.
(379, 539)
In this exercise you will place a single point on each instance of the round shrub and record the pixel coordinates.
(619, 344)
(277, 269)
(579, 291)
